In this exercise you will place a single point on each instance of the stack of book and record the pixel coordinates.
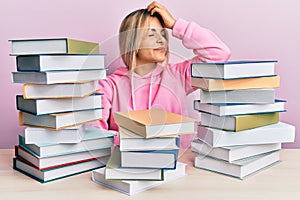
(240, 132)
(60, 83)
(148, 152)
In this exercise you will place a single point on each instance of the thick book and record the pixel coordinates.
(41, 63)
(61, 160)
(62, 90)
(158, 159)
(42, 135)
(53, 46)
(129, 141)
(241, 168)
(232, 153)
(53, 174)
(236, 84)
(61, 120)
(53, 77)
(275, 133)
(52, 106)
(155, 122)
(94, 138)
(134, 187)
(239, 108)
(239, 122)
(257, 96)
(234, 69)
(114, 170)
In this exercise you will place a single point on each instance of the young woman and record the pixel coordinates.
(147, 80)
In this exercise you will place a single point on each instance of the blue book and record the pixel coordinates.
(158, 159)
(234, 69)
(94, 138)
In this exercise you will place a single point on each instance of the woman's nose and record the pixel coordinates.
(160, 39)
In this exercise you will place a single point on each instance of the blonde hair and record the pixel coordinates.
(130, 35)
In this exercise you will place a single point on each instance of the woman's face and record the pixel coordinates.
(153, 46)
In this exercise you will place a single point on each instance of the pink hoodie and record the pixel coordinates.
(164, 87)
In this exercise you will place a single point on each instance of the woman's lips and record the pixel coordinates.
(160, 49)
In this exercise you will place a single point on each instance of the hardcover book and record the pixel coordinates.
(53, 46)
(52, 77)
(60, 160)
(114, 170)
(155, 122)
(236, 84)
(239, 122)
(94, 138)
(257, 96)
(61, 120)
(41, 63)
(129, 141)
(240, 168)
(275, 133)
(234, 69)
(42, 135)
(52, 106)
(53, 174)
(239, 108)
(134, 187)
(232, 153)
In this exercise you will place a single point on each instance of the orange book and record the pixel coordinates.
(155, 122)
(236, 84)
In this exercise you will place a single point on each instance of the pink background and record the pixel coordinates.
(253, 29)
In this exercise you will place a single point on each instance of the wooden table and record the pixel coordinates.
(281, 181)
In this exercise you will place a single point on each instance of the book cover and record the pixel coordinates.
(53, 46)
(155, 122)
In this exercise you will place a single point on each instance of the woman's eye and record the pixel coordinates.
(151, 35)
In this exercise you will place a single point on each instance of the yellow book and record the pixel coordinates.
(53, 46)
(155, 122)
(239, 122)
(236, 84)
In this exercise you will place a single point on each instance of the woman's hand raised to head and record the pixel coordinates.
(168, 19)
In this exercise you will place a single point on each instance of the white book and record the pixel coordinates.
(159, 159)
(40, 63)
(53, 46)
(275, 133)
(129, 141)
(60, 160)
(94, 138)
(41, 135)
(52, 106)
(134, 187)
(63, 90)
(240, 168)
(239, 109)
(52, 77)
(258, 96)
(234, 69)
(114, 170)
(44, 176)
(232, 153)
(61, 120)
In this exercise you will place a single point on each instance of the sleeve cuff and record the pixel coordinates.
(179, 28)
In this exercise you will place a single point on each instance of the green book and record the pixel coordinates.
(239, 122)
(53, 46)
(115, 171)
